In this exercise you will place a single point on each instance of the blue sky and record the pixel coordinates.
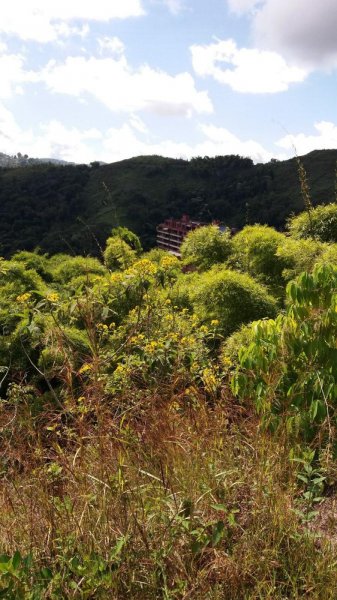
(111, 79)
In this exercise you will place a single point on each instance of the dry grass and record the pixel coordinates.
(171, 502)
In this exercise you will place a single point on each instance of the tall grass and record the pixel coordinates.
(173, 502)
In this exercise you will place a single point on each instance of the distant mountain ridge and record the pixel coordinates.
(23, 160)
(73, 208)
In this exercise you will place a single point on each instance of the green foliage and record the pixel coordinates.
(128, 469)
(320, 223)
(35, 261)
(206, 246)
(66, 208)
(255, 251)
(299, 255)
(118, 255)
(72, 267)
(129, 237)
(231, 298)
(290, 368)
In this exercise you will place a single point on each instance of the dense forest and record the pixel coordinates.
(169, 428)
(72, 208)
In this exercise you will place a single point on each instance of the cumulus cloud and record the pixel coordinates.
(303, 31)
(244, 69)
(325, 138)
(55, 140)
(47, 20)
(50, 140)
(9, 131)
(124, 142)
(13, 75)
(122, 89)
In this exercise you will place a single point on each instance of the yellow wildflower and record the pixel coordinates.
(151, 347)
(23, 298)
(86, 367)
(53, 297)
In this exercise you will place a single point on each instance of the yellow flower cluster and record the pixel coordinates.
(85, 368)
(120, 369)
(210, 381)
(136, 339)
(143, 267)
(53, 297)
(23, 298)
(187, 341)
(151, 347)
(168, 262)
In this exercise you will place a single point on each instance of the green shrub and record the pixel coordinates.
(299, 255)
(290, 368)
(74, 266)
(128, 237)
(206, 246)
(231, 298)
(118, 255)
(255, 251)
(319, 223)
(35, 261)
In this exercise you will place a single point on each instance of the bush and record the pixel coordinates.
(118, 255)
(290, 368)
(74, 266)
(230, 298)
(299, 255)
(206, 246)
(319, 223)
(128, 237)
(255, 251)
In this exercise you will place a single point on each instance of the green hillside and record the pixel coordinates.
(73, 207)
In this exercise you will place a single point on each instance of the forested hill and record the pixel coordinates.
(72, 208)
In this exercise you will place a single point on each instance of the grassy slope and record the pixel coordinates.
(42, 205)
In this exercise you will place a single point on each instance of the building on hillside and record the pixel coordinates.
(172, 232)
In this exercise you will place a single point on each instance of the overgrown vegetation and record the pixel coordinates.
(155, 443)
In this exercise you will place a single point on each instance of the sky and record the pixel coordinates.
(110, 79)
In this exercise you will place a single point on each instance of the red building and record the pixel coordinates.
(172, 232)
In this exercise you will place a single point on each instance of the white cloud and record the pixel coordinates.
(9, 132)
(174, 6)
(138, 124)
(12, 74)
(55, 140)
(114, 83)
(304, 31)
(243, 69)
(216, 141)
(221, 141)
(46, 20)
(51, 140)
(111, 45)
(325, 138)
